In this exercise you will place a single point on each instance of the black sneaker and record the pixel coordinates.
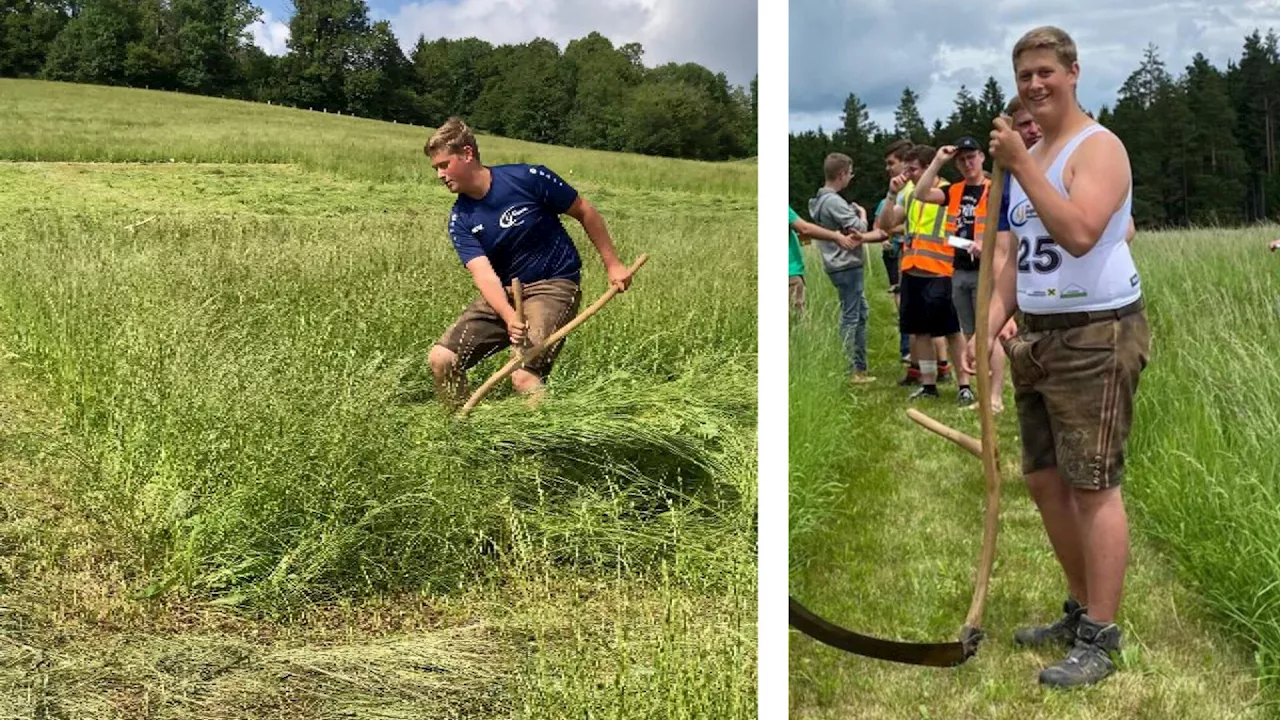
(1089, 659)
(924, 391)
(1062, 632)
(966, 397)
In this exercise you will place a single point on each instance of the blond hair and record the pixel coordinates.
(835, 164)
(453, 135)
(1047, 37)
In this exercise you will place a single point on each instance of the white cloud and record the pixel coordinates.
(876, 48)
(718, 34)
(270, 35)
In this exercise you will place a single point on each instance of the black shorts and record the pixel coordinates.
(891, 267)
(927, 308)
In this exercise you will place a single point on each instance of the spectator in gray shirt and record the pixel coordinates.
(845, 263)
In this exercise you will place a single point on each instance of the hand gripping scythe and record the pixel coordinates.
(519, 358)
(952, 653)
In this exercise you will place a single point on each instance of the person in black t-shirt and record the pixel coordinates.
(966, 218)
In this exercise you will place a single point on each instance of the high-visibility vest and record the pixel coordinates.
(954, 194)
(927, 250)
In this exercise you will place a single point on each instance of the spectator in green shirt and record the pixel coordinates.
(795, 269)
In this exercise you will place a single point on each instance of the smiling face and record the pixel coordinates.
(1046, 86)
(913, 169)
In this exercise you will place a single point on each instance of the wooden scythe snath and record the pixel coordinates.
(530, 354)
(971, 634)
(517, 301)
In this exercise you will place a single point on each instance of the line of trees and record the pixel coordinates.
(591, 95)
(1202, 145)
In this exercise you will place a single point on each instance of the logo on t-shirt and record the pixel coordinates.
(510, 216)
(1022, 212)
(1074, 291)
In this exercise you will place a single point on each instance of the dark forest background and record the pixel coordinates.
(590, 95)
(1202, 144)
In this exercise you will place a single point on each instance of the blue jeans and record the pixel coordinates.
(853, 315)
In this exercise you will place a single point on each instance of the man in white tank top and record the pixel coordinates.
(1083, 342)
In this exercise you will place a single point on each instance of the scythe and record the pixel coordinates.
(971, 634)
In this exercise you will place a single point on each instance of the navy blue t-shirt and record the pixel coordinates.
(1003, 225)
(517, 225)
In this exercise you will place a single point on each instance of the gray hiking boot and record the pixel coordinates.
(1089, 660)
(1062, 632)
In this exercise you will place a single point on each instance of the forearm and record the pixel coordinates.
(1064, 220)
(925, 184)
(817, 232)
(593, 224)
(490, 287)
(886, 217)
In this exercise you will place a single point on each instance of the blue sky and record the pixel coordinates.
(874, 48)
(718, 34)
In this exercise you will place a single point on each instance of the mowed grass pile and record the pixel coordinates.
(245, 374)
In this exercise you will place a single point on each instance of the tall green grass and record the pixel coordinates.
(886, 517)
(247, 401)
(90, 123)
(245, 380)
(1206, 444)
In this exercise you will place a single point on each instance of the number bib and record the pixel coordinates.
(1050, 280)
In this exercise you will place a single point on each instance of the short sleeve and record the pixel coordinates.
(791, 216)
(551, 189)
(1003, 225)
(464, 241)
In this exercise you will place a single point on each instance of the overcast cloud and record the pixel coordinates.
(717, 34)
(875, 48)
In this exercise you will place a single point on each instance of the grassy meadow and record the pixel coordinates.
(886, 517)
(230, 493)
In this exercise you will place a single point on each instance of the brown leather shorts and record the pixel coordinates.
(480, 332)
(1074, 387)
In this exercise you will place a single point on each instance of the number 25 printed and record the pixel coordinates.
(1046, 255)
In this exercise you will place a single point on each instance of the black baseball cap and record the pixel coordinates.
(967, 143)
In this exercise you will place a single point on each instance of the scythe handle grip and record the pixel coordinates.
(532, 353)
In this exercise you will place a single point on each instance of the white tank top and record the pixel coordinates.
(1050, 280)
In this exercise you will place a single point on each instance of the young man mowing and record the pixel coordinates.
(1082, 345)
(927, 267)
(505, 225)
